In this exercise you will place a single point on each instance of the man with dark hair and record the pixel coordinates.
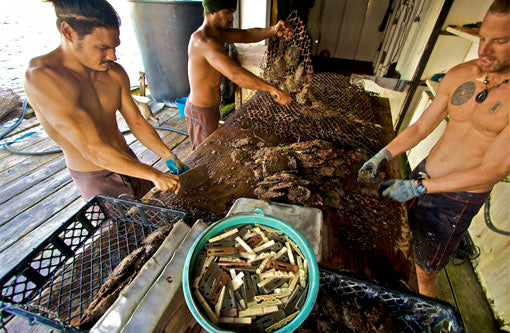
(76, 90)
(208, 62)
(447, 189)
(84, 16)
(500, 7)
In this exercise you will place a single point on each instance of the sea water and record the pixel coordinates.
(28, 29)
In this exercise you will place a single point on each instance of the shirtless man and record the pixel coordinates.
(207, 62)
(469, 159)
(76, 90)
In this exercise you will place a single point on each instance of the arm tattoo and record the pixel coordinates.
(463, 93)
(495, 107)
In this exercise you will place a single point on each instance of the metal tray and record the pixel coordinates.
(56, 281)
(307, 220)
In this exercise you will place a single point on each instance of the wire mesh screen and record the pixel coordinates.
(60, 278)
(326, 106)
(288, 62)
(407, 312)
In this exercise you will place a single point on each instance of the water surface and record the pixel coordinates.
(28, 29)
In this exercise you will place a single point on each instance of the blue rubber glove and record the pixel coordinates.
(400, 190)
(174, 169)
(376, 163)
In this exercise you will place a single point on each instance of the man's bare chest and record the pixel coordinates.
(488, 117)
(100, 99)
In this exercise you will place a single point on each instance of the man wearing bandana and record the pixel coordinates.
(207, 62)
(447, 189)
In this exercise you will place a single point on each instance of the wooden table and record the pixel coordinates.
(391, 262)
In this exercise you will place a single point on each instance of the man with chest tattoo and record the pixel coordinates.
(76, 90)
(446, 190)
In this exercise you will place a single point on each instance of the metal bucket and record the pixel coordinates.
(163, 29)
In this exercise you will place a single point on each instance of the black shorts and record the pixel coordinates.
(439, 222)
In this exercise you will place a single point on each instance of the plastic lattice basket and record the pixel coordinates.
(56, 281)
(408, 312)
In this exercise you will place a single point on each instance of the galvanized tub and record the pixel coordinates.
(163, 30)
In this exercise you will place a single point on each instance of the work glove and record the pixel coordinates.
(376, 162)
(401, 190)
(173, 166)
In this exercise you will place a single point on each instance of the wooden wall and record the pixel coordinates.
(254, 14)
(442, 58)
(493, 265)
(417, 39)
(347, 28)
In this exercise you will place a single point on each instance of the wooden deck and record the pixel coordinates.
(37, 193)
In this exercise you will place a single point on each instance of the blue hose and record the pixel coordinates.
(20, 119)
(38, 153)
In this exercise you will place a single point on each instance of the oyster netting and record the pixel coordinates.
(9, 103)
(326, 106)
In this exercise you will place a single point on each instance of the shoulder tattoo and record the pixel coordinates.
(495, 107)
(463, 93)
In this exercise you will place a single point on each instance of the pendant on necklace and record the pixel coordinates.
(482, 95)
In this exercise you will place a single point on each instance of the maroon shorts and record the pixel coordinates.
(201, 122)
(439, 222)
(109, 183)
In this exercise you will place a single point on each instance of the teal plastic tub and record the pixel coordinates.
(181, 103)
(257, 217)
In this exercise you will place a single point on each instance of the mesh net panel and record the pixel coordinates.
(326, 105)
(60, 280)
(408, 312)
(9, 104)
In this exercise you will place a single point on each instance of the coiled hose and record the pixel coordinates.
(488, 220)
(6, 145)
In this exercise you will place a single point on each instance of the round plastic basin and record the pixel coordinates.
(257, 218)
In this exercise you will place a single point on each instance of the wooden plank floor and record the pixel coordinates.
(459, 286)
(37, 194)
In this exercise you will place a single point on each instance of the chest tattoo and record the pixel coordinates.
(495, 107)
(463, 93)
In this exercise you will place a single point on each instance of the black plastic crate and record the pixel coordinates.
(409, 312)
(57, 280)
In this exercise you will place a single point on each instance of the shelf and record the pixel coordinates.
(470, 34)
(432, 85)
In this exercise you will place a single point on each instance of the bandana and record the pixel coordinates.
(211, 6)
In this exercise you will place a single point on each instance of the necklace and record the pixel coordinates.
(482, 95)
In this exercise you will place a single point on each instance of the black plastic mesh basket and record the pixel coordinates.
(55, 283)
(408, 312)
